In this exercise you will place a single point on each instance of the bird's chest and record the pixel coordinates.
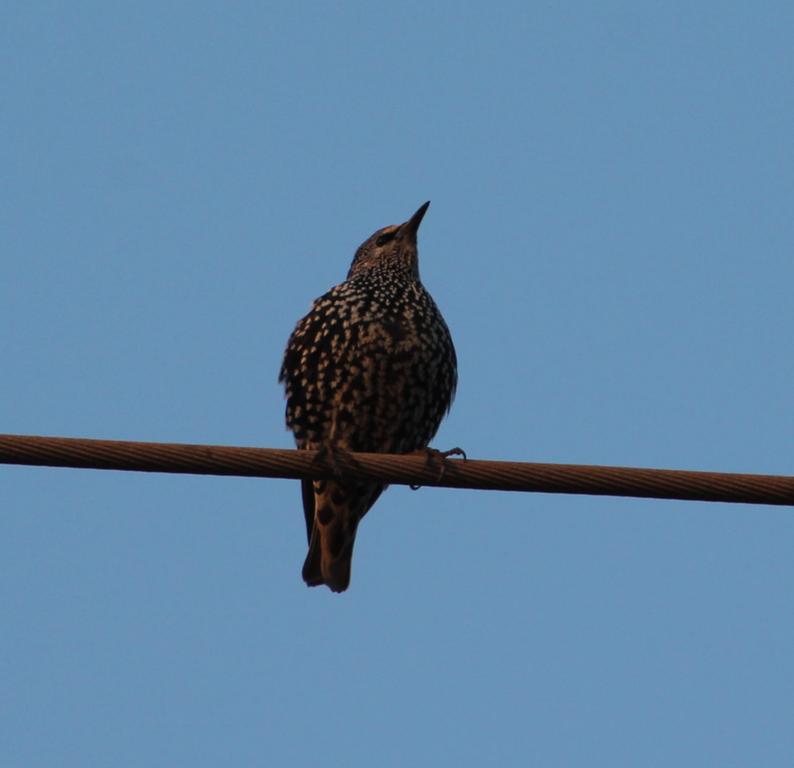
(397, 332)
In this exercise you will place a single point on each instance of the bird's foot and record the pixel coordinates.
(340, 459)
(437, 460)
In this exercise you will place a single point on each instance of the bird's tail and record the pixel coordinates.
(338, 508)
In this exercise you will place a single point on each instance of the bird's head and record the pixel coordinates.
(393, 247)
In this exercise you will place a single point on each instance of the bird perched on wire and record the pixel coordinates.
(370, 368)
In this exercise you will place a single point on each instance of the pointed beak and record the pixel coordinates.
(412, 225)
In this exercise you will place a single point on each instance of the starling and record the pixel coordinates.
(370, 368)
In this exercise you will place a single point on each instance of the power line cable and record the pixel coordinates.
(414, 470)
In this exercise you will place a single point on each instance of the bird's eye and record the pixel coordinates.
(385, 237)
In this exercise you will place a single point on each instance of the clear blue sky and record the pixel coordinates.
(611, 240)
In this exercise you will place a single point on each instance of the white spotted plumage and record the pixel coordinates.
(371, 367)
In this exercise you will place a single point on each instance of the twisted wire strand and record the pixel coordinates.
(414, 469)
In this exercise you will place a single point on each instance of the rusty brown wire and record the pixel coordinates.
(396, 469)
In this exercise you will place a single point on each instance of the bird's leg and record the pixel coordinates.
(437, 460)
(451, 452)
(337, 457)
